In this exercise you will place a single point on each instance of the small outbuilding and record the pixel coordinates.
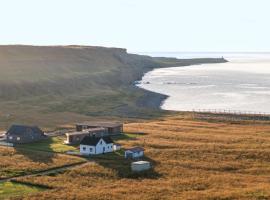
(91, 145)
(136, 152)
(140, 166)
(116, 147)
(20, 134)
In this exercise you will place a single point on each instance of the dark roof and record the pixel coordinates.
(101, 124)
(87, 131)
(136, 149)
(92, 140)
(22, 130)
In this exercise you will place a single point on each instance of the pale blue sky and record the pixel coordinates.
(139, 25)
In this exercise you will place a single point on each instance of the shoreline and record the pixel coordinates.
(155, 100)
(224, 91)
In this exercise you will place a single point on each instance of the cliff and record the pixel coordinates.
(84, 80)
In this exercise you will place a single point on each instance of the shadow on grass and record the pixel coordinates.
(117, 162)
(128, 136)
(136, 133)
(123, 137)
(38, 151)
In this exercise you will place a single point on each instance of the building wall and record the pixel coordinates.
(24, 138)
(76, 139)
(85, 149)
(115, 130)
(116, 147)
(99, 133)
(102, 147)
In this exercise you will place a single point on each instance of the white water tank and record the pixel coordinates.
(140, 166)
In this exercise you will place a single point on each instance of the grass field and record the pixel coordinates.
(12, 190)
(56, 144)
(52, 144)
(192, 159)
(19, 161)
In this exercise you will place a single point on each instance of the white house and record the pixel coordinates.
(135, 152)
(91, 145)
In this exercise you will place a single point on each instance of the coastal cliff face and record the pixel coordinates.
(83, 80)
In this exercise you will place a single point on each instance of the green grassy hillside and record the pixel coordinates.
(61, 84)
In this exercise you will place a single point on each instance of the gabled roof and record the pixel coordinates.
(135, 149)
(22, 130)
(93, 141)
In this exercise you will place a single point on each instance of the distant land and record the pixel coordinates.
(54, 85)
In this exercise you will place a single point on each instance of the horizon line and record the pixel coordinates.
(140, 52)
(204, 52)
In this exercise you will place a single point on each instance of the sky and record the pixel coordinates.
(139, 25)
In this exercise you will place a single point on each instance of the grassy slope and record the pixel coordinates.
(192, 158)
(55, 85)
(20, 161)
(12, 190)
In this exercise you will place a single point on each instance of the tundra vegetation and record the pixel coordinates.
(22, 161)
(192, 159)
(16, 190)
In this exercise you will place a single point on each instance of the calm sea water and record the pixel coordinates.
(242, 84)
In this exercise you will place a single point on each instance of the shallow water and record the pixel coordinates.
(242, 84)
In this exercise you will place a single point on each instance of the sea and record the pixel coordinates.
(242, 84)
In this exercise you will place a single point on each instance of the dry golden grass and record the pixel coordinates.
(16, 162)
(192, 160)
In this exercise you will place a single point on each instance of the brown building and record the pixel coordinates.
(77, 137)
(113, 128)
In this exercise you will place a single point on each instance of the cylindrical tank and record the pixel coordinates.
(140, 166)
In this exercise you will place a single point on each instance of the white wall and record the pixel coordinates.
(102, 147)
(116, 147)
(85, 149)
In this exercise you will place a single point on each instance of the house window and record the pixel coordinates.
(18, 138)
(84, 148)
(10, 137)
(101, 142)
(90, 149)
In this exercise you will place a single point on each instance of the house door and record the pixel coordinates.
(103, 149)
